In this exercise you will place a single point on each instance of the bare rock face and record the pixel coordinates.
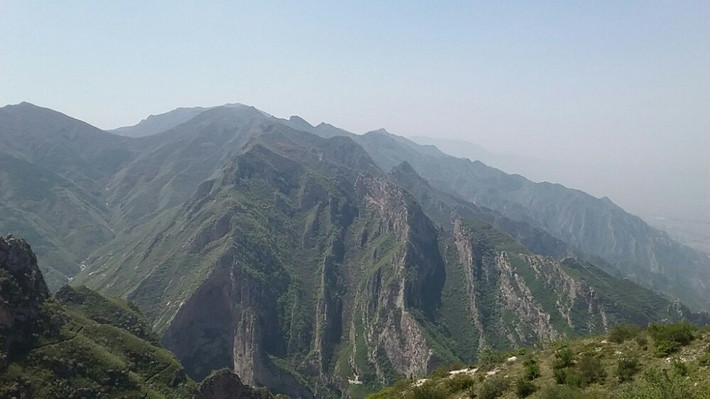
(22, 292)
(224, 384)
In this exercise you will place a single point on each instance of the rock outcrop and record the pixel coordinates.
(79, 345)
(225, 384)
(22, 293)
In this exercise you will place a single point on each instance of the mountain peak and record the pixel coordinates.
(297, 120)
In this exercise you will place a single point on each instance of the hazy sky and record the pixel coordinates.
(614, 82)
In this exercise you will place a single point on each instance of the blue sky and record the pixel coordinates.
(615, 82)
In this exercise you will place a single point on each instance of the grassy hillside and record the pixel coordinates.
(661, 361)
(86, 345)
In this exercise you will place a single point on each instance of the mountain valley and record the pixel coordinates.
(317, 262)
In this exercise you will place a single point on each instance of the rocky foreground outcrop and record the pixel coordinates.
(224, 384)
(22, 293)
(78, 344)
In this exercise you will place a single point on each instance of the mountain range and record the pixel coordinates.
(317, 262)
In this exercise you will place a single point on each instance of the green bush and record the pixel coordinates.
(591, 370)
(384, 393)
(622, 332)
(663, 385)
(665, 348)
(488, 356)
(456, 365)
(439, 372)
(573, 379)
(563, 358)
(524, 388)
(682, 332)
(492, 388)
(642, 342)
(428, 391)
(566, 392)
(458, 383)
(560, 375)
(532, 371)
(626, 368)
(680, 368)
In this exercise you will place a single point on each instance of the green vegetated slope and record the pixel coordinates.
(52, 172)
(595, 226)
(78, 343)
(296, 261)
(310, 260)
(311, 272)
(139, 179)
(662, 361)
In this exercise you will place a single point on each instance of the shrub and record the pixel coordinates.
(573, 379)
(488, 356)
(665, 348)
(383, 393)
(524, 388)
(492, 388)
(622, 332)
(402, 385)
(680, 368)
(626, 368)
(439, 372)
(563, 358)
(457, 365)
(566, 392)
(682, 332)
(428, 391)
(531, 372)
(591, 370)
(660, 384)
(459, 382)
(529, 361)
(642, 342)
(560, 375)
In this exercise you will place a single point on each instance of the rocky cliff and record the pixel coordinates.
(224, 384)
(22, 294)
(305, 269)
(79, 344)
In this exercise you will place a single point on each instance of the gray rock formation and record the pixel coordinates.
(22, 293)
(224, 384)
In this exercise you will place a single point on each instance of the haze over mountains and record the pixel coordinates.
(681, 208)
(305, 257)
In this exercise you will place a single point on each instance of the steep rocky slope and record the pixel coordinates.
(296, 261)
(594, 226)
(306, 269)
(78, 344)
(130, 182)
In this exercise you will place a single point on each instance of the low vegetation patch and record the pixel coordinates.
(621, 365)
(623, 332)
(524, 388)
(669, 338)
(493, 388)
(626, 368)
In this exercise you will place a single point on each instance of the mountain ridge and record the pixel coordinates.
(309, 259)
